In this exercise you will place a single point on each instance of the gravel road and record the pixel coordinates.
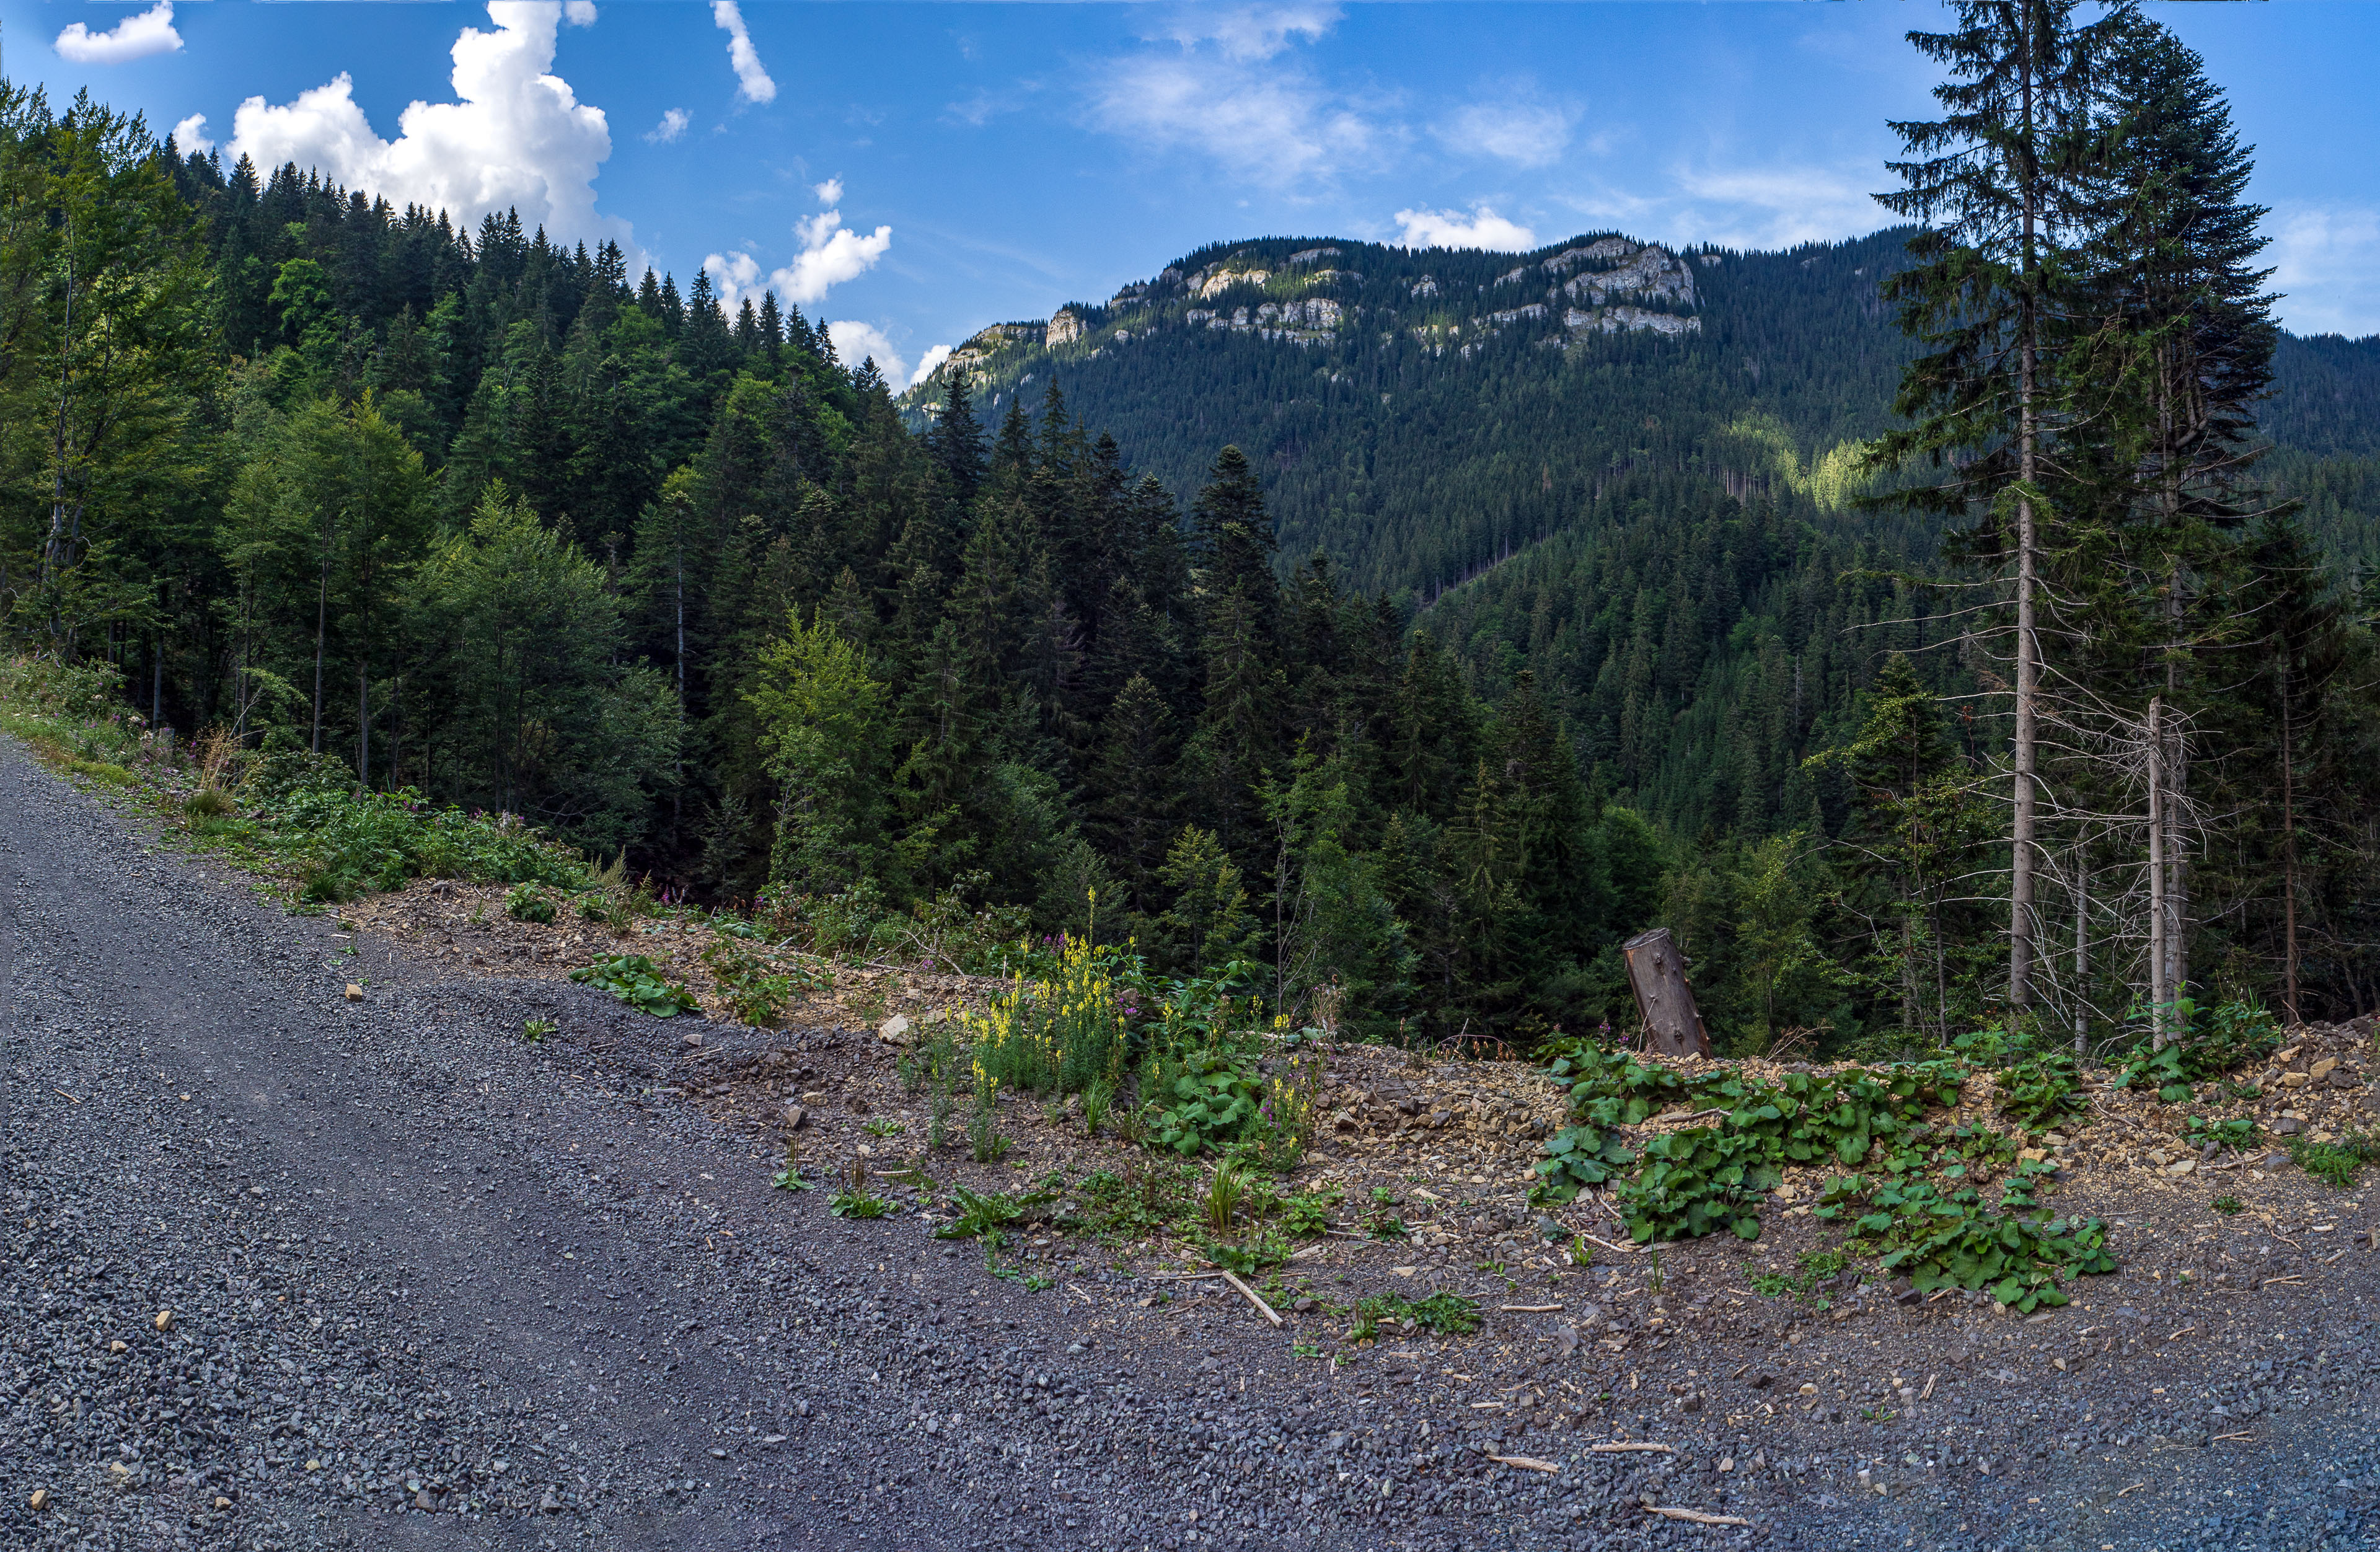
(288, 1270)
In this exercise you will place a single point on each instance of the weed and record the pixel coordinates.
(1304, 1349)
(1285, 1122)
(754, 990)
(2335, 1163)
(1056, 1035)
(2226, 1205)
(985, 1144)
(634, 979)
(1222, 1202)
(1654, 1283)
(1694, 1181)
(1812, 1267)
(1576, 1158)
(981, 1213)
(1266, 1249)
(208, 803)
(1952, 1238)
(536, 1029)
(1203, 1099)
(1034, 1284)
(1096, 1097)
(1447, 1314)
(2236, 1135)
(882, 1126)
(1307, 1215)
(789, 1178)
(526, 902)
(855, 1200)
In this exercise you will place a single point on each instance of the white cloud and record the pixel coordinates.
(1273, 125)
(1247, 32)
(579, 13)
(934, 357)
(2326, 262)
(855, 341)
(518, 138)
(192, 135)
(1482, 229)
(1530, 133)
(751, 77)
(671, 125)
(831, 253)
(1764, 207)
(136, 37)
(830, 192)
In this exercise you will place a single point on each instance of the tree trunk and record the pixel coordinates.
(2160, 989)
(321, 625)
(2028, 668)
(1664, 999)
(2081, 951)
(2288, 853)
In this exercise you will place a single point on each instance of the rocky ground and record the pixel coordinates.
(286, 1269)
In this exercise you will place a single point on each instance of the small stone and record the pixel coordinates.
(2181, 1167)
(116, 1347)
(719, 1454)
(1906, 1296)
(164, 1320)
(693, 1042)
(1566, 1338)
(549, 1504)
(795, 1117)
(2295, 1080)
(40, 1500)
(2323, 1069)
(1551, 1230)
(355, 992)
(222, 1502)
(2288, 1127)
(894, 1031)
(426, 1501)
(1304, 1306)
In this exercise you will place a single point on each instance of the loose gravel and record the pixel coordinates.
(289, 1271)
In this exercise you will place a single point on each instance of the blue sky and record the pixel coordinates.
(913, 171)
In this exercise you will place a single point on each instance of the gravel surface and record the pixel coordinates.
(286, 1269)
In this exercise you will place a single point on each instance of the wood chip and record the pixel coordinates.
(2269, 1281)
(2133, 1488)
(1696, 1516)
(1529, 1309)
(1527, 1463)
(2183, 1332)
(1630, 1447)
(1928, 1394)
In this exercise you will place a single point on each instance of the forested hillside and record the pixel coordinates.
(1393, 632)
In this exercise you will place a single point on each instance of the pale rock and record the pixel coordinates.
(896, 1030)
(355, 992)
(1064, 328)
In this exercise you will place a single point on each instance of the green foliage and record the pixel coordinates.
(536, 1029)
(2335, 1163)
(1694, 1181)
(2204, 1045)
(2228, 1206)
(858, 1204)
(983, 1213)
(755, 990)
(1951, 1238)
(2236, 1135)
(1201, 1100)
(1449, 1315)
(2039, 1082)
(985, 1144)
(1576, 1158)
(1306, 1216)
(1811, 1267)
(526, 902)
(636, 980)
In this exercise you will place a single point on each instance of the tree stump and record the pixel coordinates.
(1665, 998)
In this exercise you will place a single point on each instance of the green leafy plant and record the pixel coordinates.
(1224, 1192)
(1202, 1100)
(855, 1200)
(985, 1144)
(789, 1178)
(1811, 1269)
(1096, 1098)
(987, 1212)
(756, 992)
(1952, 1238)
(2226, 1205)
(2335, 1163)
(636, 981)
(1577, 1158)
(1694, 1181)
(526, 902)
(536, 1029)
(2236, 1135)
(882, 1126)
(1447, 1314)
(1306, 1216)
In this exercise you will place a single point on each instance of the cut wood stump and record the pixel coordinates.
(1665, 998)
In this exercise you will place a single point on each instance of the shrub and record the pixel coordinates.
(1061, 1034)
(526, 902)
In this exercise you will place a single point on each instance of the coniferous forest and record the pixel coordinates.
(1962, 621)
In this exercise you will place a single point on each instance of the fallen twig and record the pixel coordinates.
(2269, 1281)
(1252, 1297)
(54, 1089)
(1527, 1463)
(1529, 1309)
(2183, 1332)
(2220, 1437)
(1630, 1447)
(1696, 1516)
(1623, 1250)
(1183, 1277)
(2133, 1488)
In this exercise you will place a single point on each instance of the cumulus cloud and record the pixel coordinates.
(671, 125)
(752, 82)
(934, 357)
(136, 37)
(1482, 229)
(518, 138)
(855, 341)
(1529, 134)
(830, 192)
(579, 13)
(192, 135)
(2326, 262)
(831, 254)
